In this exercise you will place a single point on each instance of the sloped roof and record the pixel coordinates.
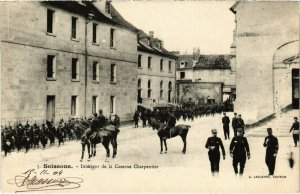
(86, 7)
(213, 62)
(150, 48)
(145, 48)
(187, 58)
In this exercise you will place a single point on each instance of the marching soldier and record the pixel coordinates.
(239, 150)
(213, 144)
(295, 129)
(271, 142)
(226, 121)
(234, 123)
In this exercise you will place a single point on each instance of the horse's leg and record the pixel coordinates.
(82, 151)
(89, 151)
(161, 145)
(115, 146)
(183, 136)
(166, 148)
(95, 149)
(106, 146)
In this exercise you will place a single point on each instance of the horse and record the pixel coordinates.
(85, 142)
(179, 130)
(106, 135)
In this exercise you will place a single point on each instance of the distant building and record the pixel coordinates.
(63, 59)
(156, 72)
(205, 78)
(266, 46)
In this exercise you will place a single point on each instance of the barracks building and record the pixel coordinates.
(66, 59)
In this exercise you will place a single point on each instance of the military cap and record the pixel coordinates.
(269, 129)
(214, 131)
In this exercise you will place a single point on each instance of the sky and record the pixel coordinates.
(183, 25)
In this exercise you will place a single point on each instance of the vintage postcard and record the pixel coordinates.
(111, 96)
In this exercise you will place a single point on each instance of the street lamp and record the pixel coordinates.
(88, 19)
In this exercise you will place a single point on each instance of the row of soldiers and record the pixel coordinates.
(31, 136)
(185, 112)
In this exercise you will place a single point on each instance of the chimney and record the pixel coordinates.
(196, 53)
(151, 34)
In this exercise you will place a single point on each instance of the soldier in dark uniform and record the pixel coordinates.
(213, 144)
(117, 121)
(239, 150)
(144, 118)
(94, 126)
(101, 119)
(271, 142)
(226, 121)
(171, 123)
(136, 118)
(234, 124)
(295, 129)
(240, 123)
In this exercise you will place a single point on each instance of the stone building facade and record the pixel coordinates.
(66, 59)
(156, 72)
(205, 78)
(266, 56)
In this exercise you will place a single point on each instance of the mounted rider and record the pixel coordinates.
(170, 124)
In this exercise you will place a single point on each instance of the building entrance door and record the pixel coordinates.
(50, 112)
(295, 88)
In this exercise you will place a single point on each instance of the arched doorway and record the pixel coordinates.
(286, 76)
(170, 91)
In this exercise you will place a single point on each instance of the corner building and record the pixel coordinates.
(66, 59)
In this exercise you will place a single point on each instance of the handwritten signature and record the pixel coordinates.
(33, 180)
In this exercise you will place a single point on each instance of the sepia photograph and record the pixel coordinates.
(148, 96)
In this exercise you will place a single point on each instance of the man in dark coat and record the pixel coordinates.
(101, 119)
(226, 121)
(271, 142)
(171, 123)
(240, 123)
(295, 129)
(213, 144)
(234, 123)
(136, 119)
(239, 150)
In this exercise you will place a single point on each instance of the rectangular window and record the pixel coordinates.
(74, 26)
(113, 73)
(112, 38)
(112, 104)
(95, 32)
(74, 68)
(149, 62)
(94, 104)
(140, 61)
(51, 66)
(182, 75)
(170, 66)
(95, 71)
(161, 65)
(73, 105)
(50, 19)
(149, 93)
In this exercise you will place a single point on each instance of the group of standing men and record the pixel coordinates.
(237, 123)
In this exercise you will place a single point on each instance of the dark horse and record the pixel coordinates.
(179, 130)
(105, 136)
